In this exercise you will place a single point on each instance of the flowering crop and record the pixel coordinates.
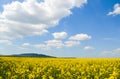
(59, 68)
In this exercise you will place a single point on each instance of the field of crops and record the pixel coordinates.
(59, 68)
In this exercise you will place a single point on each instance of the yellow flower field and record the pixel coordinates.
(59, 68)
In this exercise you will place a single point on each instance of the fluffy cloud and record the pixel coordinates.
(89, 48)
(30, 17)
(40, 46)
(112, 52)
(59, 35)
(57, 42)
(54, 43)
(5, 42)
(117, 50)
(116, 10)
(47, 45)
(80, 37)
(72, 43)
(26, 44)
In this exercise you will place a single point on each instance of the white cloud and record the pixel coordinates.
(112, 52)
(54, 43)
(49, 45)
(59, 35)
(30, 17)
(72, 43)
(41, 46)
(22, 48)
(26, 44)
(80, 37)
(5, 42)
(89, 48)
(117, 50)
(58, 43)
(116, 10)
(38, 46)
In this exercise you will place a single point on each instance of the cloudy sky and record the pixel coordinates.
(62, 28)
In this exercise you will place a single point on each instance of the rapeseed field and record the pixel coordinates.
(59, 68)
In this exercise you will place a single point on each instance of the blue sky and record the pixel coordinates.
(63, 28)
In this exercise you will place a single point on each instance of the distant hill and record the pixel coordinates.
(31, 55)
